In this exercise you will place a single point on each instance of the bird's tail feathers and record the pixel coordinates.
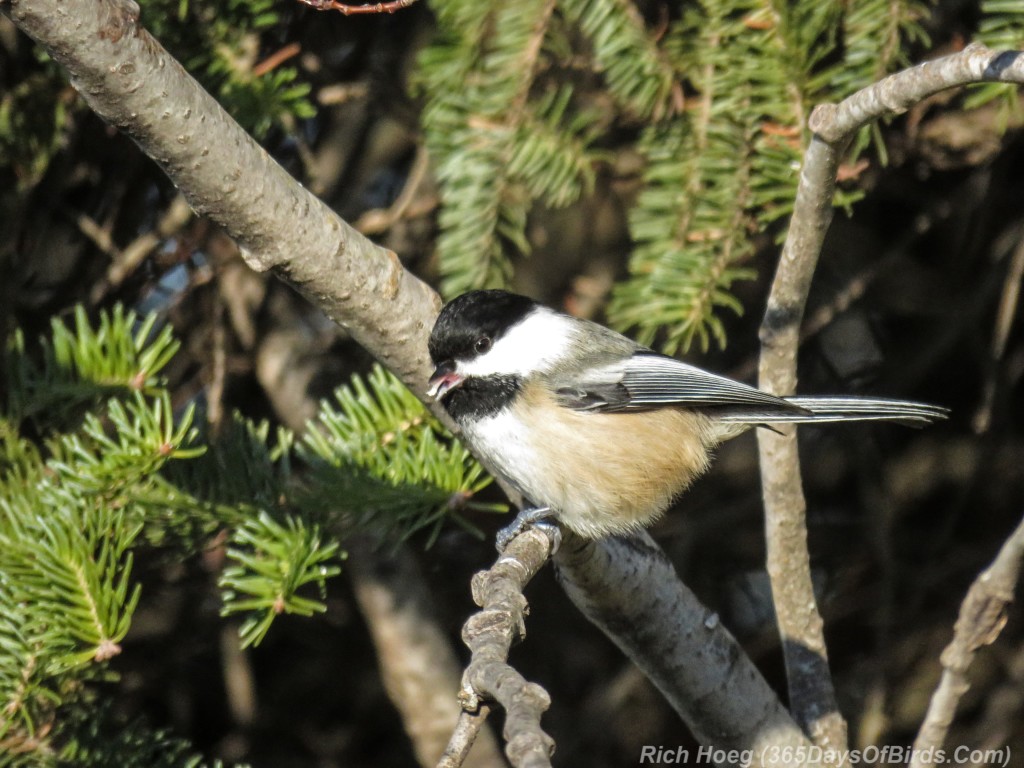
(829, 409)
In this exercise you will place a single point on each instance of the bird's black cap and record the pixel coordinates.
(472, 315)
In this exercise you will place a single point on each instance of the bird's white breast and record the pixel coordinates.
(506, 445)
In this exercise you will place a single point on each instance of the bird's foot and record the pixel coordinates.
(532, 517)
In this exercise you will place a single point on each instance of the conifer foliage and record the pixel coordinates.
(219, 42)
(716, 94)
(97, 468)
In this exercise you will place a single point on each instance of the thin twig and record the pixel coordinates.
(125, 261)
(463, 737)
(1005, 316)
(276, 59)
(982, 617)
(218, 368)
(376, 221)
(354, 10)
(341, 93)
(812, 696)
(489, 634)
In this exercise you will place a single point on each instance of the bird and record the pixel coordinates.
(597, 432)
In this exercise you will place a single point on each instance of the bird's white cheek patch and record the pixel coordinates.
(532, 346)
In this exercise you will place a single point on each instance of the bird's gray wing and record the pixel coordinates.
(648, 380)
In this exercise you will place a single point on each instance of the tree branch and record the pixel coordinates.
(489, 634)
(352, 10)
(895, 94)
(628, 588)
(812, 698)
(982, 617)
(416, 662)
(130, 81)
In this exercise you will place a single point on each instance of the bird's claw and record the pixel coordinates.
(532, 517)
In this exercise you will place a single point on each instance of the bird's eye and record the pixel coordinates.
(482, 345)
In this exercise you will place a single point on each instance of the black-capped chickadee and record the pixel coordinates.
(599, 432)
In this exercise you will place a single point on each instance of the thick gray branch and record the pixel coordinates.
(133, 83)
(679, 644)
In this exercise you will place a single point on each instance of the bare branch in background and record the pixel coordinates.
(982, 618)
(464, 737)
(812, 698)
(1009, 303)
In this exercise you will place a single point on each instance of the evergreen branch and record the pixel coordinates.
(72, 568)
(240, 472)
(553, 158)
(118, 353)
(78, 366)
(692, 221)
(20, 461)
(97, 736)
(796, 38)
(464, 20)
(491, 142)
(638, 74)
(1001, 28)
(381, 460)
(512, 63)
(273, 562)
(145, 437)
(729, 168)
(23, 695)
(876, 36)
(1002, 24)
(483, 219)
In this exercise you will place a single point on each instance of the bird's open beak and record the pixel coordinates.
(444, 379)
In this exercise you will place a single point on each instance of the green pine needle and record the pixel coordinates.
(1001, 28)
(273, 562)
(499, 140)
(639, 75)
(78, 366)
(381, 460)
